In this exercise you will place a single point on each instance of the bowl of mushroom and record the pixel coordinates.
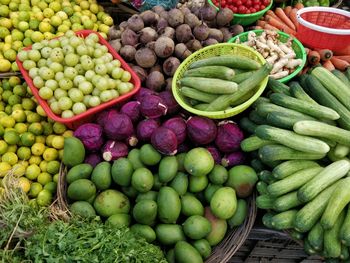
(284, 52)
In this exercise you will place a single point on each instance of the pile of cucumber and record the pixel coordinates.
(219, 83)
(300, 145)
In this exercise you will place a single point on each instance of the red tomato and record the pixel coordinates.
(248, 11)
(256, 6)
(243, 1)
(266, 2)
(256, 1)
(239, 3)
(262, 7)
(249, 3)
(234, 9)
(242, 9)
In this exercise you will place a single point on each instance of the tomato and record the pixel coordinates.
(234, 9)
(256, 1)
(242, 9)
(239, 3)
(266, 2)
(257, 7)
(252, 10)
(262, 7)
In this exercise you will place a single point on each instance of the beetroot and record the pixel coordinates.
(170, 102)
(113, 150)
(201, 130)
(233, 159)
(93, 159)
(91, 136)
(165, 141)
(229, 137)
(132, 109)
(144, 92)
(178, 126)
(215, 153)
(146, 128)
(153, 106)
(118, 126)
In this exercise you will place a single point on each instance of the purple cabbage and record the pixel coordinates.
(132, 109)
(229, 137)
(178, 126)
(165, 141)
(201, 130)
(93, 159)
(118, 126)
(233, 159)
(91, 136)
(113, 150)
(144, 92)
(153, 106)
(215, 153)
(170, 102)
(145, 129)
(102, 116)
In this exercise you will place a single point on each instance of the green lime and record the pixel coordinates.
(3, 147)
(28, 139)
(19, 115)
(2, 131)
(11, 137)
(38, 148)
(7, 121)
(36, 128)
(33, 117)
(24, 153)
(20, 90)
(51, 186)
(35, 189)
(32, 171)
(28, 104)
(199, 162)
(53, 167)
(44, 198)
(59, 128)
(14, 99)
(44, 178)
(21, 128)
(48, 129)
(10, 158)
(50, 154)
(197, 183)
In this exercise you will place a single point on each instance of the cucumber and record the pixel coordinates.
(197, 94)
(315, 237)
(331, 242)
(256, 118)
(266, 176)
(296, 234)
(308, 248)
(265, 108)
(264, 202)
(325, 178)
(257, 165)
(284, 220)
(310, 213)
(333, 85)
(201, 106)
(298, 92)
(320, 129)
(244, 98)
(247, 125)
(345, 229)
(290, 167)
(340, 75)
(286, 202)
(210, 85)
(223, 101)
(273, 152)
(347, 73)
(324, 97)
(216, 72)
(259, 101)
(341, 151)
(240, 77)
(281, 120)
(261, 187)
(267, 219)
(314, 110)
(331, 156)
(344, 254)
(277, 86)
(292, 139)
(336, 204)
(235, 61)
(253, 143)
(293, 182)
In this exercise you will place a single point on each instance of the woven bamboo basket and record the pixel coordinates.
(222, 253)
(9, 74)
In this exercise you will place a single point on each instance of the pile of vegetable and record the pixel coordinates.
(31, 145)
(74, 74)
(339, 61)
(219, 83)
(156, 41)
(301, 140)
(243, 7)
(29, 233)
(280, 54)
(186, 203)
(26, 22)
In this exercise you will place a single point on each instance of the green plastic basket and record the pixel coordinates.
(246, 19)
(283, 37)
(214, 51)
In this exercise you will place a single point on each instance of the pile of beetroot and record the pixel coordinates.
(156, 118)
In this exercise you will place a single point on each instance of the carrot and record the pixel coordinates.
(325, 54)
(304, 71)
(282, 15)
(313, 57)
(293, 17)
(299, 6)
(269, 27)
(287, 10)
(280, 25)
(346, 58)
(345, 51)
(328, 65)
(273, 14)
(258, 27)
(340, 64)
(307, 51)
(261, 23)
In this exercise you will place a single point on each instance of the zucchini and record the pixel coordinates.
(197, 94)
(333, 85)
(340, 75)
(267, 219)
(240, 77)
(315, 237)
(223, 101)
(298, 92)
(341, 151)
(331, 242)
(344, 254)
(324, 97)
(311, 212)
(247, 125)
(266, 176)
(253, 143)
(281, 120)
(283, 220)
(264, 202)
(235, 61)
(314, 110)
(261, 187)
(325, 178)
(345, 228)
(336, 204)
(210, 85)
(320, 129)
(293, 181)
(265, 108)
(286, 202)
(308, 248)
(273, 152)
(216, 72)
(287, 168)
(292, 139)
(277, 86)
(255, 117)
(257, 165)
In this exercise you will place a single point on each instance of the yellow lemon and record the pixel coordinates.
(35, 160)
(58, 142)
(43, 166)
(24, 184)
(44, 198)
(53, 167)
(38, 148)
(19, 169)
(32, 171)
(11, 137)
(44, 178)
(21, 128)
(35, 189)
(5, 65)
(40, 139)
(40, 111)
(7, 121)
(67, 134)
(59, 128)
(3, 147)
(50, 154)
(24, 153)
(12, 148)
(10, 158)
(4, 168)
(55, 177)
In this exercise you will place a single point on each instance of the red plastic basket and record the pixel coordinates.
(324, 27)
(87, 116)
